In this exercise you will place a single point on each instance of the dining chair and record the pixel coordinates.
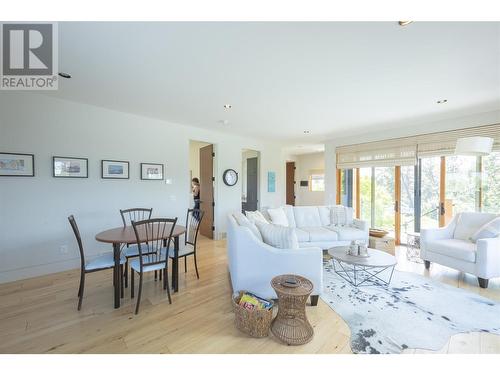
(153, 241)
(129, 215)
(100, 263)
(193, 220)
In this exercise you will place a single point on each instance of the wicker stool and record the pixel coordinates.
(291, 325)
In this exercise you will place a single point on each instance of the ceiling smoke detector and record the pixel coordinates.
(442, 101)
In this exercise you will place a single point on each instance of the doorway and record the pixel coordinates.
(201, 165)
(290, 183)
(250, 180)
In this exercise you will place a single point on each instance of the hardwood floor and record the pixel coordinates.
(39, 315)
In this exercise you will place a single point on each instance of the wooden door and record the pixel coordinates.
(252, 184)
(290, 183)
(207, 190)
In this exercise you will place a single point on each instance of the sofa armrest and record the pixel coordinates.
(428, 234)
(488, 257)
(361, 224)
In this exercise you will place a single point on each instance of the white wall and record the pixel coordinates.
(405, 130)
(304, 164)
(33, 211)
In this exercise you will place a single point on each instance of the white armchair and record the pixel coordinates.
(451, 247)
(252, 263)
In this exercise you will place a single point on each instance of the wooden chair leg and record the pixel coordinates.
(126, 274)
(168, 286)
(82, 287)
(132, 283)
(185, 264)
(196, 266)
(164, 278)
(122, 289)
(139, 294)
(156, 275)
(160, 274)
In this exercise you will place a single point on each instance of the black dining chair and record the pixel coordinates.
(193, 221)
(100, 263)
(153, 241)
(129, 215)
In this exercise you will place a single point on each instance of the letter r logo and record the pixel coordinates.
(27, 49)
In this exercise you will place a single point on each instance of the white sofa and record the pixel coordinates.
(315, 226)
(451, 246)
(252, 263)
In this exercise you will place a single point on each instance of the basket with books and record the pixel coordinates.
(253, 314)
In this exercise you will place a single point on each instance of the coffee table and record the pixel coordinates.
(363, 271)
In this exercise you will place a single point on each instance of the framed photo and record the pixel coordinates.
(115, 169)
(17, 165)
(70, 167)
(151, 171)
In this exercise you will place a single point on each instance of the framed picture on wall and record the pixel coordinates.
(271, 182)
(114, 169)
(150, 171)
(70, 167)
(17, 165)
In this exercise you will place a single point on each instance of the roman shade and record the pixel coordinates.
(406, 151)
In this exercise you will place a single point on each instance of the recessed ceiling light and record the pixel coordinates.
(307, 131)
(228, 106)
(404, 23)
(442, 101)
(65, 75)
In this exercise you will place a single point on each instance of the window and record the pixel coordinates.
(316, 181)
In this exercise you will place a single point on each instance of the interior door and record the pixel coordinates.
(252, 184)
(290, 183)
(207, 190)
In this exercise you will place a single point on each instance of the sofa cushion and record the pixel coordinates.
(302, 235)
(278, 236)
(256, 216)
(307, 216)
(453, 248)
(325, 215)
(341, 215)
(469, 222)
(278, 216)
(244, 222)
(348, 233)
(289, 215)
(489, 230)
(320, 234)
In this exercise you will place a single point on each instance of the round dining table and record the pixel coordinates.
(126, 235)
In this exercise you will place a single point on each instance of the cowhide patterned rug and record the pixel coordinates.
(413, 312)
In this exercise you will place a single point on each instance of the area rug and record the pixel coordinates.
(413, 312)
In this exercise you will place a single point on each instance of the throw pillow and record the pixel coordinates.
(339, 216)
(290, 215)
(244, 222)
(278, 216)
(489, 230)
(255, 216)
(278, 236)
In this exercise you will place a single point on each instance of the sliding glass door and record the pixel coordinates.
(407, 201)
(384, 199)
(462, 185)
(430, 173)
(490, 184)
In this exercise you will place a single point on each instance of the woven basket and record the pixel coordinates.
(255, 323)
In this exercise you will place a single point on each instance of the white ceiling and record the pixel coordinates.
(283, 78)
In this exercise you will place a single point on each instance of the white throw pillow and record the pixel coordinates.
(489, 230)
(288, 209)
(325, 215)
(339, 216)
(244, 222)
(278, 236)
(278, 216)
(255, 216)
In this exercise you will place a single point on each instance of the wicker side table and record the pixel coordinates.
(290, 324)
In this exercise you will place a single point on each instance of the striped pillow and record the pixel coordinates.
(244, 222)
(278, 236)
